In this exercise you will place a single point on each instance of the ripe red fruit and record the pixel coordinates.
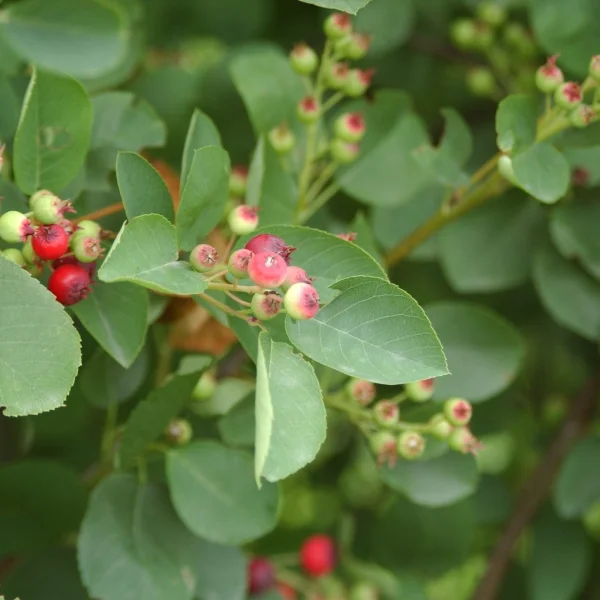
(71, 260)
(301, 301)
(295, 275)
(267, 269)
(317, 555)
(50, 242)
(261, 575)
(265, 242)
(70, 284)
(238, 263)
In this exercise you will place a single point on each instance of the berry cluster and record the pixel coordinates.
(49, 238)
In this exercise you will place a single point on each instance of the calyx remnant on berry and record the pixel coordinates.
(304, 59)
(15, 227)
(411, 445)
(549, 76)
(386, 412)
(238, 263)
(458, 411)
(266, 306)
(361, 391)
(350, 127)
(203, 258)
(282, 139)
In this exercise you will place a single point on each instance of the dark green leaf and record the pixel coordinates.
(39, 347)
(53, 134)
(215, 495)
(142, 188)
(516, 123)
(117, 317)
(350, 6)
(290, 415)
(204, 195)
(373, 330)
(484, 351)
(145, 252)
(201, 132)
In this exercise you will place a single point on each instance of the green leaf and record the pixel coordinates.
(365, 236)
(83, 38)
(349, 6)
(373, 330)
(53, 134)
(142, 188)
(9, 117)
(145, 252)
(201, 132)
(30, 520)
(271, 187)
(516, 123)
(457, 140)
(387, 173)
(237, 427)
(578, 486)
(567, 292)
(290, 415)
(484, 351)
(437, 482)
(39, 347)
(215, 495)
(543, 172)
(490, 248)
(268, 86)
(556, 574)
(150, 418)
(230, 391)
(204, 195)
(116, 315)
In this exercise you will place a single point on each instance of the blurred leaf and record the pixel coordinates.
(202, 132)
(34, 375)
(145, 252)
(373, 330)
(142, 188)
(516, 123)
(9, 116)
(53, 134)
(83, 38)
(290, 415)
(350, 6)
(365, 237)
(229, 393)
(116, 315)
(237, 427)
(484, 351)
(214, 493)
(204, 196)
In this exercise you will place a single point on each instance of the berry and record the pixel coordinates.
(358, 82)
(28, 253)
(337, 25)
(355, 46)
(85, 248)
(48, 208)
(309, 110)
(364, 591)
(261, 575)
(492, 13)
(463, 33)
(203, 258)
(87, 227)
(267, 269)
(386, 412)
(71, 260)
(440, 428)
(594, 69)
(15, 227)
(238, 180)
(243, 219)
(420, 391)
(350, 127)
(206, 386)
(265, 242)
(287, 592)
(410, 445)
(179, 432)
(361, 391)
(548, 77)
(68, 226)
(344, 152)
(517, 37)
(580, 176)
(301, 301)
(304, 59)
(318, 555)
(337, 76)
(505, 168)
(266, 306)
(582, 116)
(238, 263)
(14, 256)
(462, 440)
(458, 411)
(282, 139)
(295, 275)
(481, 82)
(50, 242)
(70, 284)
(384, 445)
(349, 236)
(568, 95)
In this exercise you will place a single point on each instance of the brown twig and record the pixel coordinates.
(539, 485)
(111, 209)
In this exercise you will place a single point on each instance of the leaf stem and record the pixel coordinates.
(320, 201)
(223, 307)
(238, 300)
(332, 101)
(320, 181)
(248, 289)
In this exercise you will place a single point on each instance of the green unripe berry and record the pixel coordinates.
(266, 306)
(337, 76)
(350, 127)
(238, 181)
(420, 391)
(386, 413)
(463, 33)
(594, 69)
(14, 256)
(337, 25)
(179, 432)
(582, 116)
(28, 254)
(309, 110)
(364, 591)
(304, 59)
(440, 428)
(206, 386)
(458, 411)
(49, 209)
(568, 95)
(88, 228)
(282, 139)
(203, 258)
(383, 445)
(462, 440)
(86, 248)
(357, 82)
(243, 219)
(481, 82)
(15, 227)
(549, 76)
(361, 391)
(344, 152)
(492, 13)
(411, 445)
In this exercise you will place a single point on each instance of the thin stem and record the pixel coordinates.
(320, 201)
(102, 212)
(229, 246)
(217, 275)
(223, 307)
(248, 289)
(332, 101)
(305, 173)
(320, 181)
(238, 300)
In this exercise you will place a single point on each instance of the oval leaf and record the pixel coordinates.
(516, 123)
(39, 347)
(201, 132)
(290, 415)
(373, 330)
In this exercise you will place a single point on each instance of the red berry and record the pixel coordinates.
(203, 258)
(265, 242)
(50, 242)
(317, 555)
(71, 260)
(267, 269)
(261, 575)
(70, 284)
(238, 263)
(301, 301)
(287, 592)
(295, 275)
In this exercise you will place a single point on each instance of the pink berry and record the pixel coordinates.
(267, 269)
(548, 77)
(568, 95)
(458, 411)
(86, 248)
(50, 242)
(420, 391)
(301, 301)
(203, 258)
(238, 263)
(386, 412)
(265, 242)
(238, 180)
(318, 555)
(295, 275)
(261, 575)
(243, 219)
(350, 127)
(266, 306)
(70, 284)
(309, 110)
(15, 227)
(338, 25)
(361, 391)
